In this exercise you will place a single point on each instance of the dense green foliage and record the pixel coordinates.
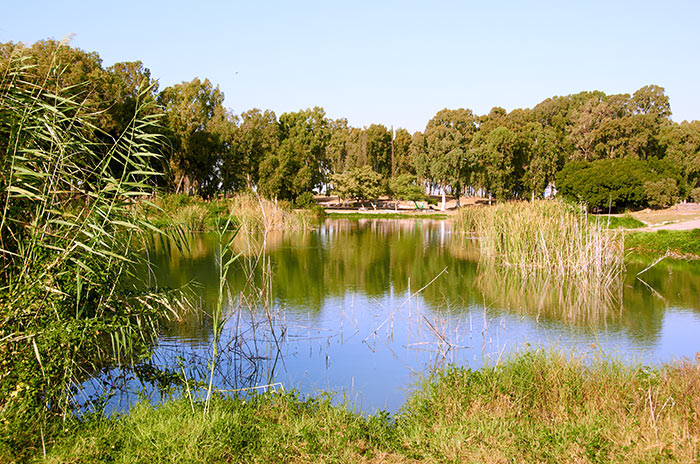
(357, 184)
(534, 407)
(70, 304)
(621, 183)
(405, 187)
(209, 150)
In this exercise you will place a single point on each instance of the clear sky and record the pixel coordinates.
(390, 62)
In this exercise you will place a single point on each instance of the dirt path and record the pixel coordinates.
(683, 225)
(683, 216)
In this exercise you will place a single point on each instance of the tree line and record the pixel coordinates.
(574, 142)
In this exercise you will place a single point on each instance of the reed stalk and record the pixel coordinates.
(547, 257)
(225, 258)
(69, 244)
(545, 236)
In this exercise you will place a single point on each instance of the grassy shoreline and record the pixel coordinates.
(537, 406)
(680, 244)
(256, 214)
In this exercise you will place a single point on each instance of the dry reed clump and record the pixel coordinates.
(192, 216)
(547, 237)
(249, 212)
(256, 213)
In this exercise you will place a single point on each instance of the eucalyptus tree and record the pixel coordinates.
(378, 140)
(189, 107)
(229, 173)
(402, 159)
(447, 137)
(681, 144)
(419, 156)
(543, 157)
(356, 149)
(496, 155)
(129, 85)
(257, 138)
(126, 83)
(299, 163)
(337, 147)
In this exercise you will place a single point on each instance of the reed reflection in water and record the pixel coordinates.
(338, 299)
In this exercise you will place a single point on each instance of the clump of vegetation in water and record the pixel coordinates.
(681, 243)
(70, 304)
(534, 407)
(545, 236)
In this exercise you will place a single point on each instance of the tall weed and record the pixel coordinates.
(69, 240)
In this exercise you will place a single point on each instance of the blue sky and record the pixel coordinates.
(390, 62)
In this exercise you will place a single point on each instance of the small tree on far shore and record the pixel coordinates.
(360, 184)
(404, 187)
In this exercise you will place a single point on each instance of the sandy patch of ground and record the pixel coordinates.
(683, 216)
(683, 225)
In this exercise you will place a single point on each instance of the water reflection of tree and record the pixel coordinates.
(375, 257)
(371, 258)
(670, 283)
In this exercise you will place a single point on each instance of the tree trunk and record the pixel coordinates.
(442, 208)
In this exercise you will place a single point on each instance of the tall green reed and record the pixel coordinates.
(545, 235)
(225, 258)
(552, 249)
(70, 241)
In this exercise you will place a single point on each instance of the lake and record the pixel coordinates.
(365, 308)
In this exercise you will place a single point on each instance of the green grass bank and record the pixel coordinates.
(616, 222)
(679, 243)
(538, 406)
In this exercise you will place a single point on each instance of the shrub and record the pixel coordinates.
(620, 183)
(661, 193)
(358, 184)
(404, 187)
(306, 200)
(695, 194)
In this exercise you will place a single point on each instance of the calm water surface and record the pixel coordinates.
(335, 313)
